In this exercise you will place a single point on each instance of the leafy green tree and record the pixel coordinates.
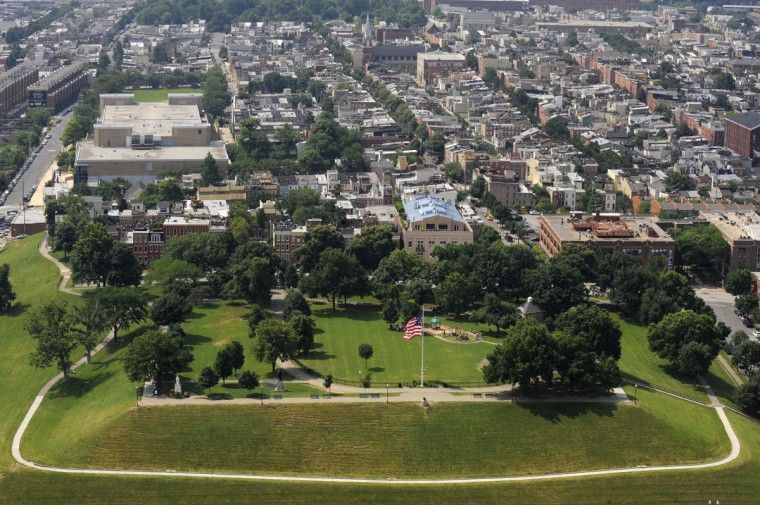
(288, 137)
(91, 256)
(304, 327)
(124, 268)
(157, 356)
(208, 378)
(676, 181)
(628, 287)
(396, 269)
(594, 325)
(206, 251)
(746, 304)
(453, 171)
(391, 307)
(170, 308)
(65, 237)
(495, 312)
(486, 235)
(237, 355)
(118, 54)
(478, 187)
(295, 302)
(738, 281)
(747, 356)
(248, 380)
(274, 340)
(122, 307)
(655, 304)
(527, 357)
(747, 395)
(210, 171)
(352, 159)
(336, 275)
(7, 295)
(581, 369)
(253, 140)
(167, 270)
(556, 128)
(317, 240)
(365, 352)
(52, 329)
(88, 325)
(689, 341)
(557, 286)
(223, 364)
(372, 245)
(103, 60)
(256, 315)
(251, 279)
(455, 293)
(216, 96)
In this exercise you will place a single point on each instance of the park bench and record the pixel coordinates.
(277, 397)
(375, 395)
(477, 395)
(326, 396)
(363, 395)
(315, 397)
(490, 395)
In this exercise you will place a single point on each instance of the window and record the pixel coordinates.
(456, 227)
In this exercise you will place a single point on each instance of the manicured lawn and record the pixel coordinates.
(639, 363)
(736, 483)
(395, 360)
(160, 95)
(397, 439)
(35, 281)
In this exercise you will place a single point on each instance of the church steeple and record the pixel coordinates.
(367, 31)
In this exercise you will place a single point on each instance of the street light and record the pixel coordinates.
(262, 394)
(386, 393)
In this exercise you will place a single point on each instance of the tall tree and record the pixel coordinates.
(317, 240)
(273, 340)
(223, 364)
(336, 275)
(456, 293)
(122, 307)
(495, 312)
(527, 357)
(295, 302)
(689, 341)
(210, 171)
(366, 352)
(595, 325)
(738, 281)
(557, 286)
(251, 279)
(51, 327)
(91, 256)
(304, 327)
(124, 268)
(157, 356)
(372, 245)
(88, 325)
(170, 308)
(7, 295)
(237, 355)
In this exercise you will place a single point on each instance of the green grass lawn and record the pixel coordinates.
(395, 360)
(396, 440)
(637, 362)
(35, 281)
(160, 95)
(733, 484)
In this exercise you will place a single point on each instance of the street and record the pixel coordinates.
(38, 167)
(722, 304)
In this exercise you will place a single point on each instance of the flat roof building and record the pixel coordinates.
(141, 141)
(60, 87)
(742, 133)
(641, 237)
(742, 232)
(14, 84)
(629, 27)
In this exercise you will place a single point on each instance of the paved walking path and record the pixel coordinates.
(18, 436)
(65, 271)
(730, 370)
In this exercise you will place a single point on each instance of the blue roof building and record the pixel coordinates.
(432, 222)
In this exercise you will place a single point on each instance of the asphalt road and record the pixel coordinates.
(39, 166)
(722, 304)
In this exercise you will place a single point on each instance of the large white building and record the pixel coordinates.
(141, 141)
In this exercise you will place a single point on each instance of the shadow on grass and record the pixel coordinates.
(319, 355)
(76, 387)
(554, 412)
(17, 309)
(377, 369)
(193, 339)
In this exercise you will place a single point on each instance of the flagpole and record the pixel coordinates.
(422, 359)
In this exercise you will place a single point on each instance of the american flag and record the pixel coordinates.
(413, 328)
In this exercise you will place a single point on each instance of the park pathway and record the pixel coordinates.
(18, 436)
(730, 370)
(65, 271)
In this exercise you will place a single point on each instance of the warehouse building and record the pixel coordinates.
(141, 141)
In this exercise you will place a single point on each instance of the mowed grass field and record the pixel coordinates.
(396, 440)
(735, 484)
(160, 95)
(35, 281)
(340, 332)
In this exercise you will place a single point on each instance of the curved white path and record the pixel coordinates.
(16, 450)
(18, 436)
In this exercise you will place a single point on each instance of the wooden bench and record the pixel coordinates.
(315, 397)
(276, 397)
(375, 395)
(477, 395)
(363, 395)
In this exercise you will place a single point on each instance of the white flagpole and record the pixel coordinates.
(422, 361)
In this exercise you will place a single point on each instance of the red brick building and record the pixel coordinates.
(743, 134)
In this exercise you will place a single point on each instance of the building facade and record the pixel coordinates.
(60, 87)
(743, 134)
(433, 222)
(438, 63)
(14, 84)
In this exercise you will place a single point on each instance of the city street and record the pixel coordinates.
(722, 304)
(38, 167)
